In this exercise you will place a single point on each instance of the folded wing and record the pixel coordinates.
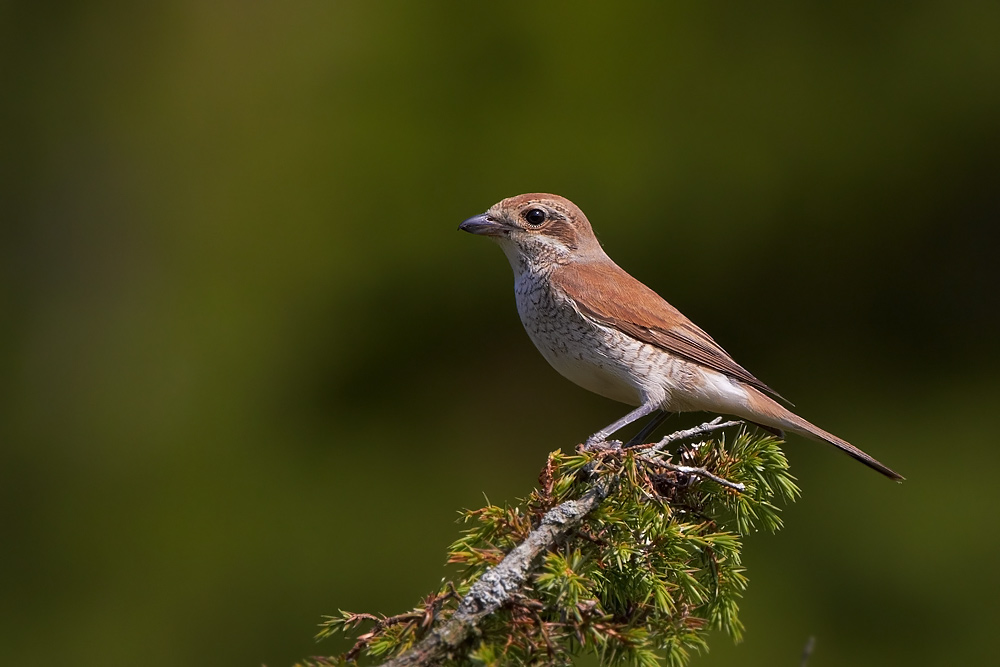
(599, 291)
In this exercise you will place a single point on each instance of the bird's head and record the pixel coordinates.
(537, 230)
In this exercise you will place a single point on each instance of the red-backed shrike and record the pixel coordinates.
(607, 332)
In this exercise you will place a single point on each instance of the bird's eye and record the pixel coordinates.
(535, 216)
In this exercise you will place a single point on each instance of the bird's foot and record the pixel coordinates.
(600, 441)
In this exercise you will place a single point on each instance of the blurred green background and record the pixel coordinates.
(251, 370)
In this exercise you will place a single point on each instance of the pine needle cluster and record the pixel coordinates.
(640, 581)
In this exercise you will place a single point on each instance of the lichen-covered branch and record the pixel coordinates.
(622, 552)
(499, 584)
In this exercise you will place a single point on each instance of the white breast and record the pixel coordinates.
(612, 364)
(594, 357)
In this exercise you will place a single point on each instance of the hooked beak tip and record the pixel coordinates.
(480, 224)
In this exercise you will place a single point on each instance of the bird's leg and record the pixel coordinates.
(648, 429)
(611, 429)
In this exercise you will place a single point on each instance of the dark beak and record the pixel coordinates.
(481, 224)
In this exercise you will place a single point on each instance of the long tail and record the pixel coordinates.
(771, 413)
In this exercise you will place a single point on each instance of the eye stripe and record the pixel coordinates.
(563, 232)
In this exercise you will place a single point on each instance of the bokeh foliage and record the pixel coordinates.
(248, 362)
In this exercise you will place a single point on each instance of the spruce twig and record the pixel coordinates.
(498, 584)
(696, 432)
(636, 579)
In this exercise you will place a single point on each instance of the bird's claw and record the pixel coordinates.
(600, 441)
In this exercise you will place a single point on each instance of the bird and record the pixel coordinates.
(612, 335)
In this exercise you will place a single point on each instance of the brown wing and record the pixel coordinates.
(605, 292)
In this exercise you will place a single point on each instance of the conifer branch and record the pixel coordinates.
(638, 578)
(698, 431)
(499, 584)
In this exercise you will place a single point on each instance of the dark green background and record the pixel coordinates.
(250, 369)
